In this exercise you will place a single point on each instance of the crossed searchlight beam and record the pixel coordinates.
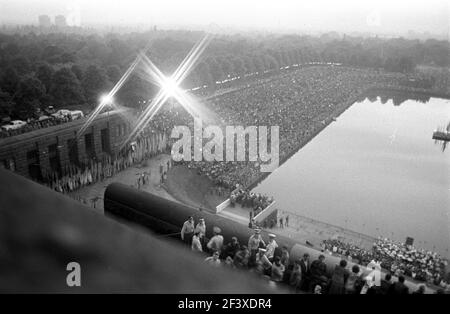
(107, 99)
(169, 87)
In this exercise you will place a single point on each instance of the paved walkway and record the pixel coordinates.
(128, 177)
(302, 229)
(236, 213)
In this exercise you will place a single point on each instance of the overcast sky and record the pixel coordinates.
(341, 15)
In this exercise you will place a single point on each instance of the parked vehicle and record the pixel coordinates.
(50, 110)
(14, 125)
(43, 118)
(64, 113)
(76, 114)
(61, 114)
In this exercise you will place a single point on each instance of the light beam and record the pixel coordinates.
(169, 86)
(108, 97)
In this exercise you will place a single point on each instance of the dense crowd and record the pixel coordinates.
(396, 258)
(419, 264)
(73, 177)
(299, 102)
(351, 252)
(270, 260)
(255, 201)
(308, 98)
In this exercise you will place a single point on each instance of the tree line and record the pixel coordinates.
(64, 70)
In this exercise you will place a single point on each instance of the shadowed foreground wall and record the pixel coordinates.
(166, 217)
(41, 231)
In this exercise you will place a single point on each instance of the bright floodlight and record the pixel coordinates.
(101, 105)
(106, 99)
(170, 87)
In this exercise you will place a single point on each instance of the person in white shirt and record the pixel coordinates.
(373, 279)
(201, 229)
(213, 260)
(196, 244)
(216, 242)
(277, 270)
(188, 230)
(254, 243)
(271, 246)
(263, 265)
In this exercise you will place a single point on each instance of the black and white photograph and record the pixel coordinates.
(225, 153)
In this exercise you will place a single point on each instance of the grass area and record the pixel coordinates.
(190, 188)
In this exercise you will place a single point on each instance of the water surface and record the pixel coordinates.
(375, 170)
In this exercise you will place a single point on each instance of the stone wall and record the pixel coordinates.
(15, 151)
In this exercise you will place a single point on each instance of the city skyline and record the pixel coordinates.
(382, 17)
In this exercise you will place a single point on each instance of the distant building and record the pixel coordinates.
(44, 21)
(49, 150)
(60, 21)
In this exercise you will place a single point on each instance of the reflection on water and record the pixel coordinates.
(443, 143)
(397, 98)
(377, 169)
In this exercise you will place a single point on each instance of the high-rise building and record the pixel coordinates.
(44, 21)
(60, 21)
